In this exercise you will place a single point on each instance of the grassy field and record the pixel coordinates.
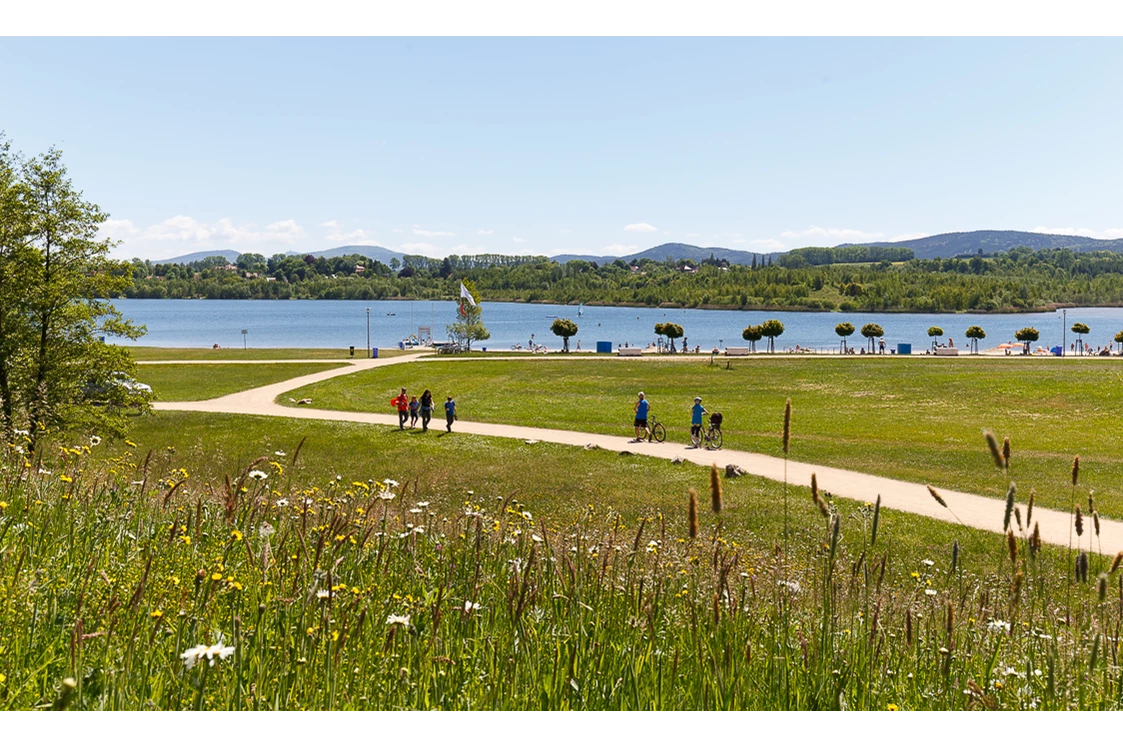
(146, 353)
(918, 419)
(362, 567)
(178, 382)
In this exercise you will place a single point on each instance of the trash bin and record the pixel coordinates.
(484, 349)
(374, 353)
(604, 346)
(401, 345)
(904, 349)
(351, 353)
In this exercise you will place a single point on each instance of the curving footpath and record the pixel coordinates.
(980, 512)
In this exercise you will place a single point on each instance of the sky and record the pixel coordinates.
(545, 146)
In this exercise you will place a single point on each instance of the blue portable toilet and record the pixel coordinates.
(374, 353)
(1056, 350)
(604, 346)
(904, 349)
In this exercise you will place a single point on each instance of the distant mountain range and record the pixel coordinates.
(929, 247)
(970, 242)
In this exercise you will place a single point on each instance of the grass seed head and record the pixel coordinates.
(1096, 522)
(1079, 522)
(787, 424)
(818, 499)
(715, 489)
(1012, 546)
(1035, 540)
(954, 556)
(1091, 501)
(1116, 561)
(939, 499)
(876, 520)
(1009, 505)
(1006, 451)
(1075, 469)
(1101, 587)
(693, 513)
(1029, 507)
(995, 450)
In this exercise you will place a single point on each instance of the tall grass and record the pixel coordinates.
(368, 594)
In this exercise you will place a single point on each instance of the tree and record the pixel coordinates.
(52, 358)
(564, 329)
(871, 331)
(670, 330)
(843, 330)
(772, 329)
(975, 334)
(752, 333)
(469, 326)
(1026, 335)
(935, 332)
(1119, 340)
(1080, 329)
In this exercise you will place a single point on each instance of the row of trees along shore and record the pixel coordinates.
(1017, 280)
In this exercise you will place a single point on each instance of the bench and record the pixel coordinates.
(731, 351)
(947, 351)
(629, 351)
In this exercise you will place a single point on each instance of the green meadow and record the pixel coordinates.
(178, 382)
(918, 419)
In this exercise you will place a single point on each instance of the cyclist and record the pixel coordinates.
(696, 414)
(641, 408)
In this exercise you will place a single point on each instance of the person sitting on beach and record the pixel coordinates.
(641, 408)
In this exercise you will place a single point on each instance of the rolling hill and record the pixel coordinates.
(970, 242)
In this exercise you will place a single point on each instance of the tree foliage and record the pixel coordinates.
(975, 334)
(564, 329)
(752, 334)
(1027, 335)
(670, 330)
(56, 276)
(871, 331)
(772, 329)
(843, 330)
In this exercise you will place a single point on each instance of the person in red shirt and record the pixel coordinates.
(403, 408)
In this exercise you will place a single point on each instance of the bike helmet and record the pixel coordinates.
(697, 399)
(641, 394)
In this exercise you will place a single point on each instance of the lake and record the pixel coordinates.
(339, 324)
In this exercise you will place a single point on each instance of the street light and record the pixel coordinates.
(1064, 330)
(368, 330)
(244, 339)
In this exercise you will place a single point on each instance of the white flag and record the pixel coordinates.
(466, 294)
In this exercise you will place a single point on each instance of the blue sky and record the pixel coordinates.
(544, 146)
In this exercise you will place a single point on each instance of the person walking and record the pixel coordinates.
(426, 409)
(450, 413)
(641, 409)
(402, 402)
(414, 407)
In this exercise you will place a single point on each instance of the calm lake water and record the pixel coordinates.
(338, 324)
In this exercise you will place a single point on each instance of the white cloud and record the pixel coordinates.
(518, 240)
(644, 228)
(839, 235)
(329, 225)
(1093, 233)
(486, 232)
(466, 249)
(421, 248)
(418, 231)
(398, 231)
(116, 228)
(619, 249)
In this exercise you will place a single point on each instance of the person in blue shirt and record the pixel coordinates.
(696, 414)
(642, 407)
(450, 412)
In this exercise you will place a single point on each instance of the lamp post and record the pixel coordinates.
(244, 339)
(1064, 330)
(368, 330)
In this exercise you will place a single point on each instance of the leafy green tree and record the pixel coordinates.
(934, 333)
(1080, 329)
(752, 334)
(54, 367)
(469, 320)
(843, 330)
(772, 329)
(1119, 340)
(670, 330)
(975, 334)
(564, 329)
(1027, 335)
(870, 332)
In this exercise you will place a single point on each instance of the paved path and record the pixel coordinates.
(974, 511)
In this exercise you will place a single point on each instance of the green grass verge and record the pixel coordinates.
(917, 419)
(566, 579)
(179, 382)
(147, 353)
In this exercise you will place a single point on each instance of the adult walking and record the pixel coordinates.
(426, 409)
(641, 409)
(450, 413)
(403, 408)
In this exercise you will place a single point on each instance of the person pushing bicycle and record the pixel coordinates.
(696, 414)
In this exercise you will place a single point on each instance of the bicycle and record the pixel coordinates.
(712, 435)
(656, 430)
